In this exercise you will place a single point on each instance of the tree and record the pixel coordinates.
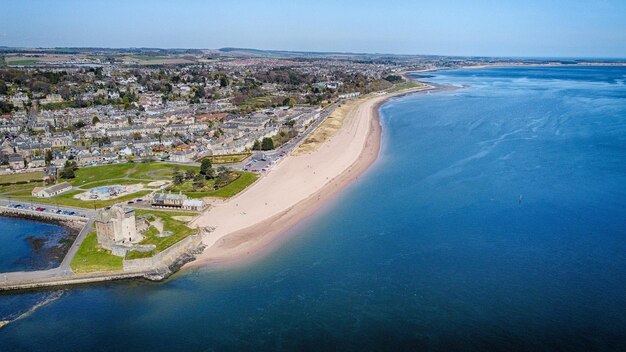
(289, 102)
(95, 120)
(178, 178)
(267, 144)
(5, 107)
(223, 81)
(69, 170)
(48, 157)
(223, 177)
(189, 174)
(206, 168)
(256, 145)
(67, 173)
(79, 124)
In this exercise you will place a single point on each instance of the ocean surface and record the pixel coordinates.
(494, 220)
(29, 245)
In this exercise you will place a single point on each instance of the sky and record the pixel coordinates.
(530, 28)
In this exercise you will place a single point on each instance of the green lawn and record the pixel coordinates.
(403, 86)
(125, 174)
(138, 171)
(179, 231)
(149, 58)
(25, 62)
(227, 159)
(244, 180)
(158, 171)
(21, 177)
(68, 199)
(17, 190)
(90, 257)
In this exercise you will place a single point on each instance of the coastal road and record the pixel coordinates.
(65, 264)
(271, 157)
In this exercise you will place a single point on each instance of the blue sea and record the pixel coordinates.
(494, 220)
(26, 245)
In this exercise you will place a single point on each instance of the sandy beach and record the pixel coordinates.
(252, 222)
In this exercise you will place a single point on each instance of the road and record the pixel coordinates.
(263, 161)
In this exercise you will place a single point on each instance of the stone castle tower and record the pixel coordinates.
(116, 226)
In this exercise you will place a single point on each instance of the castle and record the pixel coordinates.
(116, 227)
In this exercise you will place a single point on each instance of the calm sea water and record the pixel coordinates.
(26, 245)
(494, 221)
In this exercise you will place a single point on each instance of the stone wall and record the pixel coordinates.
(166, 258)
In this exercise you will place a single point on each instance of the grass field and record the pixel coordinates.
(25, 176)
(179, 231)
(26, 62)
(68, 199)
(115, 173)
(244, 180)
(90, 257)
(120, 174)
(405, 85)
(227, 159)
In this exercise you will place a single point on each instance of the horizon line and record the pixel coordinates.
(324, 52)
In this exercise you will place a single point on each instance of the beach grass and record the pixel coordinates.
(328, 128)
(178, 228)
(90, 257)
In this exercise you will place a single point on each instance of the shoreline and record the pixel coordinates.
(362, 125)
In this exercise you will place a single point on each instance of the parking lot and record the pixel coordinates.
(262, 162)
(46, 209)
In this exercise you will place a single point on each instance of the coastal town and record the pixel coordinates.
(148, 152)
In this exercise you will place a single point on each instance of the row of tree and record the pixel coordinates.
(221, 176)
(265, 144)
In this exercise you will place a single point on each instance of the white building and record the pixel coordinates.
(51, 191)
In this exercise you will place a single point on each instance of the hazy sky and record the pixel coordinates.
(572, 28)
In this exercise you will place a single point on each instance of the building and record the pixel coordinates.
(168, 200)
(194, 204)
(116, 226)
(182, 156)
(349, 95)
(47, 192)
(16, 162)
